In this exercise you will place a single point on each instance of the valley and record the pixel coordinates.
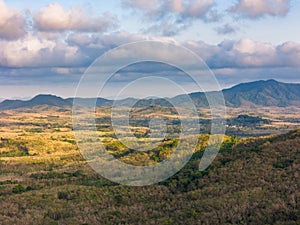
(44, 178)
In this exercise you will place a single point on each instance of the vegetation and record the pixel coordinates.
(251, 181)
(247, 121)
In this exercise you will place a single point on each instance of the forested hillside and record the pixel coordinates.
(253, 181)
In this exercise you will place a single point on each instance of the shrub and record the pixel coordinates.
(63, 195)
(18, 189)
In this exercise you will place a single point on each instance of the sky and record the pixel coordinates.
(46, 46)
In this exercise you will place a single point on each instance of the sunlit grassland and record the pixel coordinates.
(44, 178)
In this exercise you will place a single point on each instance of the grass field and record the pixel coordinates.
(45, 180)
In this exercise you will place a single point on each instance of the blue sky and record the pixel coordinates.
(46, 46)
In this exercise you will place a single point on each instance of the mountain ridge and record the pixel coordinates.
(257, 93)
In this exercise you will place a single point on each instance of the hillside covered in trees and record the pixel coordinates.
(252, 181)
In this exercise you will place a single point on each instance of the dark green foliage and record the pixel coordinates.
(78, 173)
(35, 130)
(247, 121)
(56, 175)
(16, 148)
(49, 175)
(18, 189)
(63, 195)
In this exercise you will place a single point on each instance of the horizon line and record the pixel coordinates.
(128, 97)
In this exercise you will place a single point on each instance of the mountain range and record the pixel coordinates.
(256, 94)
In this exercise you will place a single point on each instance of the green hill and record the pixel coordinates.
(258, 93)
(263, 93)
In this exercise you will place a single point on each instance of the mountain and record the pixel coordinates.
(263, 93)
(50, 100)
(89, 102)
(258, 93)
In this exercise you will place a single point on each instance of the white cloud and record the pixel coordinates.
(157, 9)
(249, 46)
(247, 53)
(290, 47)
(167, 28)
(55, 18)
(108, 41)
(290, 53)
(258, 8)
(172, 16)
(12, 22)
(176, 6)
(32, 51)
(242, 53)
(198, 8)
(36, 50)
(81, 49)
(147, 6)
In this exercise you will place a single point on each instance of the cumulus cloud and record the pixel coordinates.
(55, 18)
(166, 28)
(247, 53)
(39, 60)
(32, 51)
(259, 8)
(248, 46)
(244, 53)
(79, 50)
(197, 9)
(149, 7)
(109, 41)
(172, 16)
(12, 22)
(180, 8)
(290, 52)
(75, 50)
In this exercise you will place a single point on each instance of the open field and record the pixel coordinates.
(281, 120)
(45, 180)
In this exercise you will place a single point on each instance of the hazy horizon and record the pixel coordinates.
(124, 97)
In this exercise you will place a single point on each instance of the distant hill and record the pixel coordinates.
(263, 93)
(89, 102)
(50, 100)
(258, 93)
